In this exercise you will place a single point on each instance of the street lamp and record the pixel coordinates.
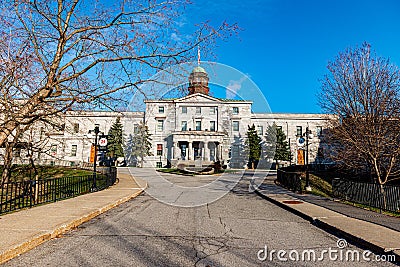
(96, 132)
(308, 136)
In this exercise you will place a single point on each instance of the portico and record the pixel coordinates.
(197, 145)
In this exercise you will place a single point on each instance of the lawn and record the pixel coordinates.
(25, 172)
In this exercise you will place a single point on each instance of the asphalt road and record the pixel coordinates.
(230, 231)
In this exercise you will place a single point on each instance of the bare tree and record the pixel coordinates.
(73, 53)
(362, 92)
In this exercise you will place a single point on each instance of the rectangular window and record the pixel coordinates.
(160, 125)
(136, 128)
(212, 110)
(184, 110)
(53, 150)
(17, 152)
(260, 130)
(41, 133)
(299, 131)
(76, 127)
(319, 130)
(158, 164)
(235, 126)
(235, 151)
(184, 125)
(159, 149)
(161, 109)
(198, 110)
(198, 125)
(235, 110)
(74, 148)
(212, 126)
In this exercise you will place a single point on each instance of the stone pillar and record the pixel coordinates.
(175, 150)
(189, 154)
(206, 151)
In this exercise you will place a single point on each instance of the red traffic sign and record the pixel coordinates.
(103, 141)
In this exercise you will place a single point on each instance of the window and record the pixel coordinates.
(279, 127)
(260, 130)
(212, 110)
(235, 151)
(235, 126)
(235, 110)
(319, 130)
(184, 125)
(136, 128)
(53, 150)
(41, 133)
(76, 127)
(320, 153)
(198, 110)
(198, 125)
(184, 109)
(17, 152)
(160, 125)
(158, 164)
(299, 131)
(74, 148)
(161, 109)
(212, 126)
(159, 149)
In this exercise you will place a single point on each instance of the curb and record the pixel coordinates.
(41, 238)
(332, 229)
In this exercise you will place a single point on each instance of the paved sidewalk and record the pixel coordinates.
(23, 230)
(377, 232)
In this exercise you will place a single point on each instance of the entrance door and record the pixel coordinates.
(183, 151)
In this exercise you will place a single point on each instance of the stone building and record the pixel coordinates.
(194, 129)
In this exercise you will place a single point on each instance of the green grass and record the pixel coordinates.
(25, 172)
(394, 214)
(319, 186)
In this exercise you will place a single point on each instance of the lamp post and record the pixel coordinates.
(308, 135)
(96, 132)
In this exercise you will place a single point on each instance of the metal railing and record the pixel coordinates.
(290, 180)
(386, 197)
(26, 194)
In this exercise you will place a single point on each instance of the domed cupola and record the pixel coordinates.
(198, 81)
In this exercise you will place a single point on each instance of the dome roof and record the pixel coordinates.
(199, 69)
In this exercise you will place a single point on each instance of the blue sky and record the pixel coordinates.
(285, 45)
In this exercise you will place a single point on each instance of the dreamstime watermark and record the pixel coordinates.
(340, 253)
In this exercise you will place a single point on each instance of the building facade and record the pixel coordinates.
(195, 129)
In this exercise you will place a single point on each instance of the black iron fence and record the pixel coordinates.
(386, 197)
(290, 180)
(26, 194)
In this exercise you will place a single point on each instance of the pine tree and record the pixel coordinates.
(277, 138)
(138, 145)
(253, 145)
(115, 140)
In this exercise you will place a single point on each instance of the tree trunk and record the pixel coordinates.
(5, 176)
(383, 196)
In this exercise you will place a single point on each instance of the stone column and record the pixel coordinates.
(206, 151)
(189, 154)
(175, 150)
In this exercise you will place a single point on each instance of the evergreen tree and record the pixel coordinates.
(253, 145)
(277, 138)
(115, 140)
(138, 145)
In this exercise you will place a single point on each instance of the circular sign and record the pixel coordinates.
(103, 141)
(301, 141)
